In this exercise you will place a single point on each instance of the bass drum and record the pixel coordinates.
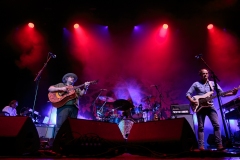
(114, 120)
(115, 116)
(125, 125)
(137, 112)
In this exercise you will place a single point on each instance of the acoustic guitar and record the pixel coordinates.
(59, 98)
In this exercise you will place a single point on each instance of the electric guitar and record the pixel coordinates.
(205, 100)
(59, 98)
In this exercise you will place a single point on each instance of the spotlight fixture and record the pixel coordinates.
(165, 26)
(76, 26)
(210, 26)
(31, 25)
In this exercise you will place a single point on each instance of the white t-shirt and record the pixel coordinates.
(10, 110)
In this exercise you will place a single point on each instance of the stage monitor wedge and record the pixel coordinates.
(167, 136)
(86, 138)
(18, 136)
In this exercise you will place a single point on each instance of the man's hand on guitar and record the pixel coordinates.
(234, 91)
(193, 102)
(63, 89)
(86, 84)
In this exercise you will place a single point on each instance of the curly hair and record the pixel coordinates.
(12, 102)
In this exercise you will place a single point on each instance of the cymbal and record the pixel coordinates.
(122, 104)
(148, 98)
(106, 99)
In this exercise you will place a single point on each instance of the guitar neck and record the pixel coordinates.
(75, 87)
(221, 94)
(91, 82)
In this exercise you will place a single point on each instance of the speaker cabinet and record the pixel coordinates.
(88, 138)
(18, 136)
(45, 131)
(189, 118)
(167, 136)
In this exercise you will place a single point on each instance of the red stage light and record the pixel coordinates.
(210, 26)
(165, 26)
(31, 25)
(76, 25)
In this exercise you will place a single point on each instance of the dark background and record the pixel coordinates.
(187, 18)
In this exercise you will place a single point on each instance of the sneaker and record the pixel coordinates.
(220, 148)
(201, 148)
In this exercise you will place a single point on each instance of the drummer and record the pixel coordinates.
(127, 113)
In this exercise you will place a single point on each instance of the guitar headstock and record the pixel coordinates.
(94, 82)
(235, 90)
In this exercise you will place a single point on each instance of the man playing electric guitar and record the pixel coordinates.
(70, 108)
(204, 89)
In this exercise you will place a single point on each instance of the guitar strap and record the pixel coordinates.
(211, 87)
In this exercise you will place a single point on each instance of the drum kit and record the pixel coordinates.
(122, 109)
(125, 114)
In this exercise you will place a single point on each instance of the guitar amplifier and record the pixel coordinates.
(180, 109)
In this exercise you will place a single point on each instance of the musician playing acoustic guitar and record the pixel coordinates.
(70, 108)
(205, 88)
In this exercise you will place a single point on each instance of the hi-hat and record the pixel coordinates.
(106, 99)
(122, 104)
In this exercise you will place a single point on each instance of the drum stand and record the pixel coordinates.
(94, 106)
(146, 110)
(100, 111)
(160, 102)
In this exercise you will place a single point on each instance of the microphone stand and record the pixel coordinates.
(215, 79)
(160, 102)
(37, 80)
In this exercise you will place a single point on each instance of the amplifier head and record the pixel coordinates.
(180, 109)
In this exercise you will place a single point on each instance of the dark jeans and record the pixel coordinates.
(63, 113)
(213, 116)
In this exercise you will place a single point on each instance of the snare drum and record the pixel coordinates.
(125, 125)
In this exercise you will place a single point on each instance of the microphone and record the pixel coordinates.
(154, 85)
(198, 56)
(52, 55)
(103, 89)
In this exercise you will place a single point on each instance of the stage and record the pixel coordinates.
(87, 139)
(48, 155)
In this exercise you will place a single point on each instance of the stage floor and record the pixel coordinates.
(192, 155)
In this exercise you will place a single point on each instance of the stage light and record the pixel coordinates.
(165, 26)
(31, 25)
(210, 26)
(163, 30)
(136, 27)
(76, 25)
